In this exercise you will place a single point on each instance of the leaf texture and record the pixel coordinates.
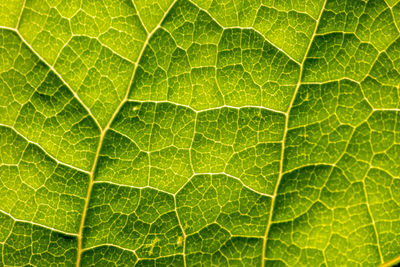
(199, 133)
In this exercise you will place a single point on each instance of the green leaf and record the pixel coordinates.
(199, 133)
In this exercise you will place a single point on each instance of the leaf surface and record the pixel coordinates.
(199, 133)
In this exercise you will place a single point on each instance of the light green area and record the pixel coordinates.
(151, 12)
(371, 21)
(335, 56)
(98, 76)
(48, 25)
(9, 12)
(239, 133)
(242, 143)
(37, 104)
(148, 144)
(322, 120)
(24, 244)
(92, 44)
(108, 256)
(288, 30)
(193, 61)
(143, 220)
(322, 217)
(219, 199)
(35, 188)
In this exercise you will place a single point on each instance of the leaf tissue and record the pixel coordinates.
(199, 133)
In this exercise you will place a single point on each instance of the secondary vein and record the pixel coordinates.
(103, 132)
(275, 192)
